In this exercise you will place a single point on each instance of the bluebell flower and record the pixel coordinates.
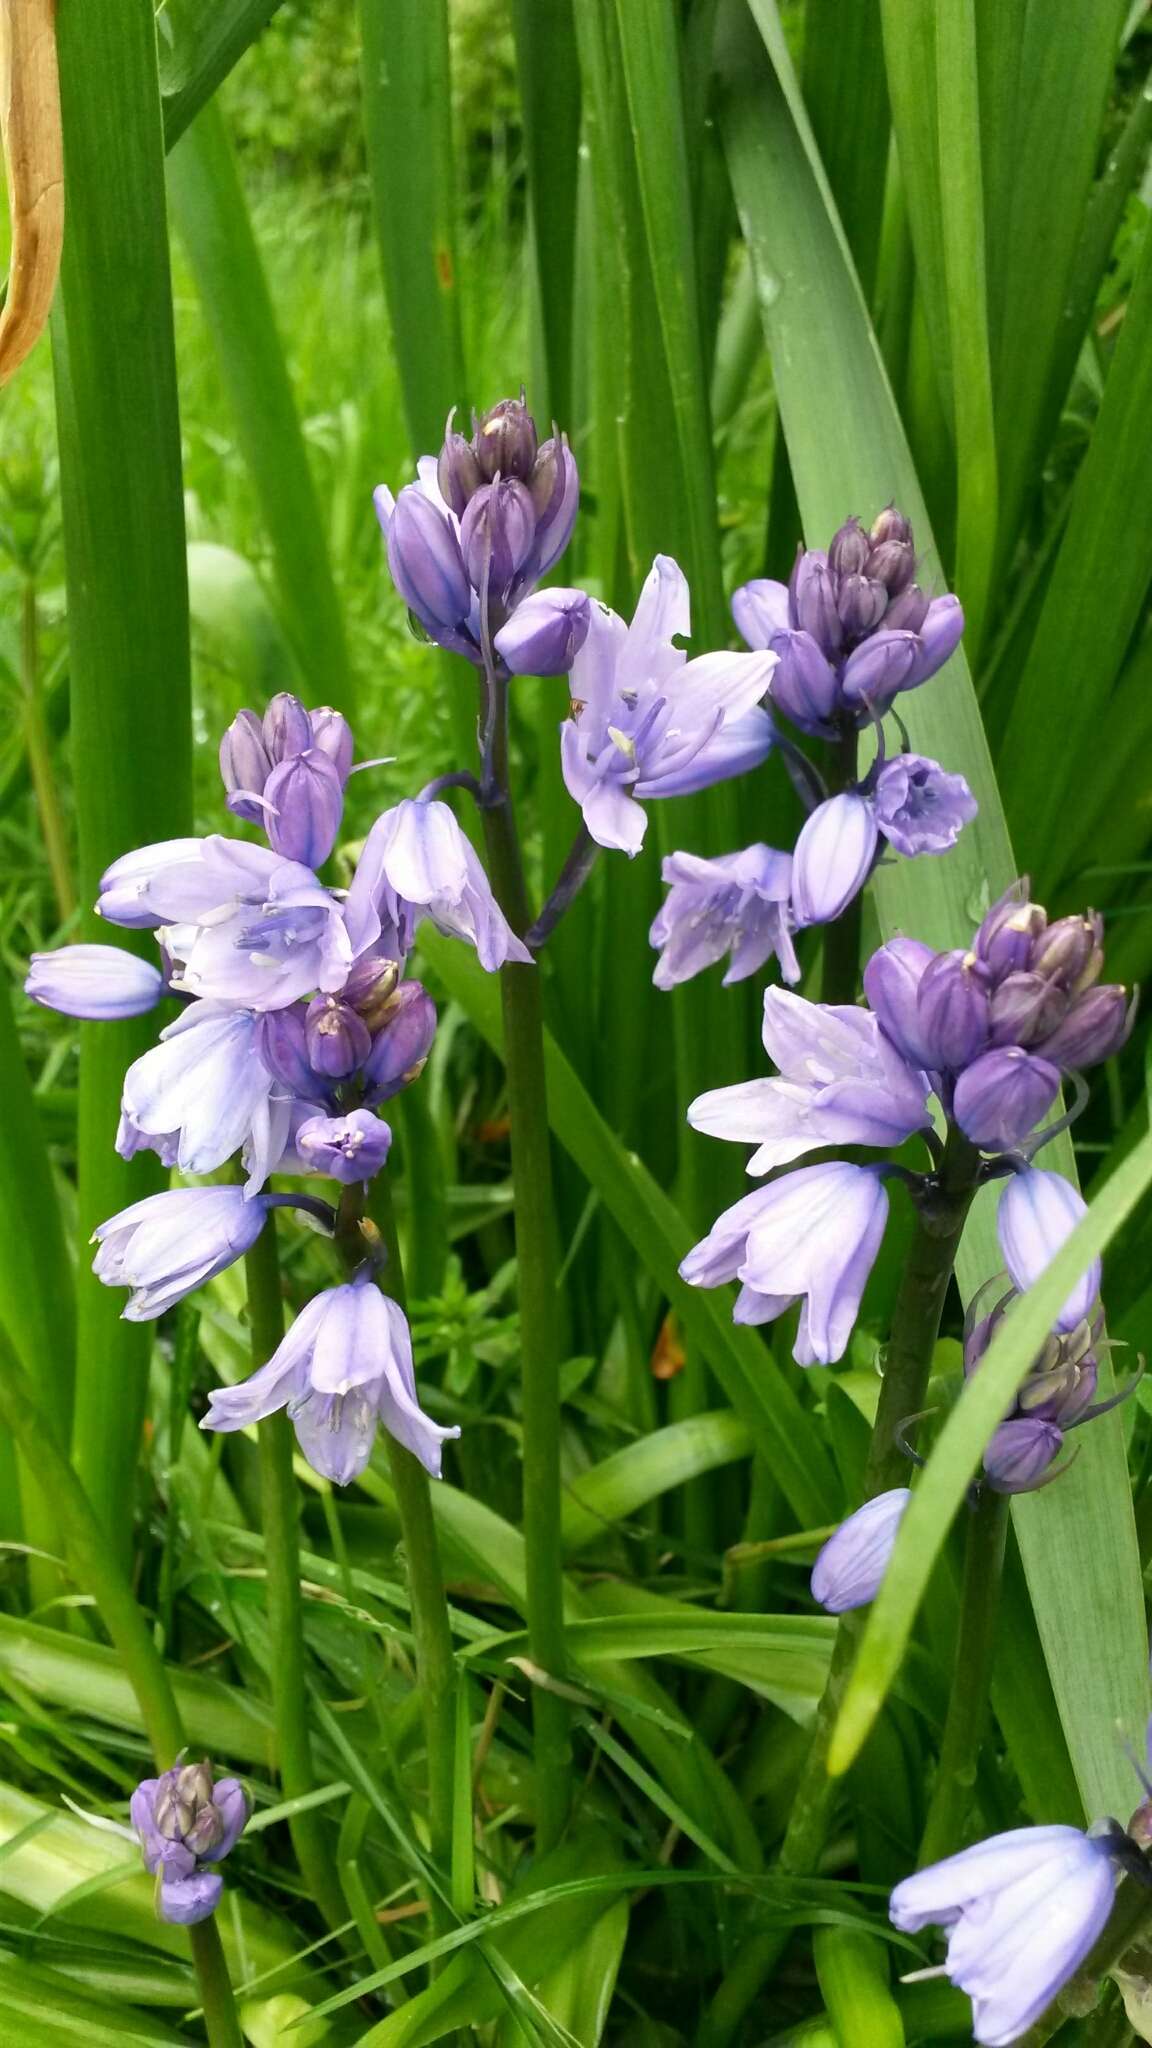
(811, 1237)
(833, 858)
(203, 1093)
(345, 1365)
(647, 722)
(840, 1083)
(1003, 1095)
(168, 1245)
(919, 807)
(186, 1822)
(545, 633)
(1023, 1910)
(417, 862)
(347, 1148)
(1038, 1213)
(1058, 1394)
(100, 982)
(737, 904)
(849, 1569)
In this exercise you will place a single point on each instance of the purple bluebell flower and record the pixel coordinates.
(301, 810)
(833, 857)
(1003, 1095)
(1020, 1452)
(417, 862)
(1093, 1028)
(1038, 1213)
(848, 1570)
(245, 765)
(504, 443)
(337, 1039)
(168, 1245)
(242, 924)
(647, 722)
(332, 735)
(892, 980)
(545, 633)
(1022, 1911)
(737, 904)
(202, 1093)
(496, 539)
(346, 1148)
(1044, 982)
(840, 1083)
(286, 728)
(811, 1237)
(305, 796)
(955, 1016)
(99, 982)
(920, 808)
(402, 1042)
(1058, 1394)
(345, 1365)
(426, 564)
(186, 1821)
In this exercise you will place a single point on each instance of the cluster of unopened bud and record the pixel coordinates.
(187, 1819)
(286, 772)
(1058, 1394)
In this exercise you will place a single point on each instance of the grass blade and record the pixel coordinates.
(550, 110)
(200, 41)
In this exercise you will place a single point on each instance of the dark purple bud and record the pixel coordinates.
(1025, 1008)
(370, 986)
(861, 604)
(876, 670)
(425, 562)
(545, 633)
(892, 981)
(804, 685)
(287, 728)
(244, 766)
(1070, 952)
(952, 1004)
(907, 613)
(893, 564)
(457, 470)
(1061, 1388)
(890, 525)
(497, 534)
(332, 734)
(338, 1040)
(505, 441)
(1002, 1096)
(403, 1042)
(1095, 1027)
(812, 594)
(346, 1148)
(848, 549)
(282, 1047)
(555, 491)
(1005, 939)
(1020, 1453)
(939, 637)
(307, 799)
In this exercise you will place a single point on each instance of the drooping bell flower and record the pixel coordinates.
(169, 1244)
(417, 862)
(186, 1822)
(850, 1567)
(737, 904)
(99, 982)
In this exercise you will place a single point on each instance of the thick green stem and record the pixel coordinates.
(908, 1362)
(286, 1664)
(840, 966)
(216, 2001)
(539, 1305)
(41, 766)
(431, 1628)
(968, 1700)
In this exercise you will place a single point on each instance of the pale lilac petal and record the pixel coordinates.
(1038, 1213)
(833, 858)
(848, 1571)
(94, 982)
(760, 609)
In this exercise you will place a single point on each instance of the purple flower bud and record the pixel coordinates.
(457, 471)
(93, 981)
(287, 728)
(555, 490)
(761, 611)
(939, 637)
(907, 612)
(890, 525)
(919, 808)
(804, 684)
(876, 670)
(893, 563)
(1095, 1028)
(848, 549)
(184, 1820)
(1002, 1096)
(1069, 953)
(832, 858)
(497, 535)
(338, 1039)
(892, 984)
(504, 442)
(332, 734)
(167, 1245)
(953, 1011)
(402, 1043)
(346, 1148)
(1038, 1213)
(545, 633)
(1024, 1009)
(1005, 939)
(281, 1046)
(813, 602)
(370, 986)
(307, 799)
(426, 564)
(861, 603)
(1020, 1453)
(244, 766)
(848, 1571)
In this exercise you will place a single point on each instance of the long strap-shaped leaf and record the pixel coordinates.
(848, 452)
(200, 41)
(123, 506)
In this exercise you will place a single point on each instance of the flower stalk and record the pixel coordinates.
(221, 2021)
(964, 1724)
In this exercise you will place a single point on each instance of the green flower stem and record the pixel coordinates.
(840, 965)
(41, 765)
(435, 1658)
(216, 2000)
(539, 1305)
(968, 1700)
(915, 1328)
(279, 1504)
